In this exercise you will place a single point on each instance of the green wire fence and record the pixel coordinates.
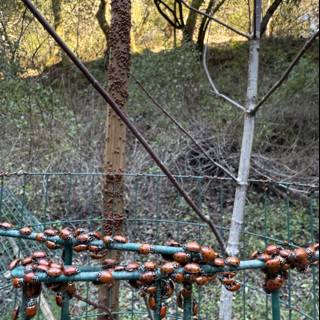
(276, 213)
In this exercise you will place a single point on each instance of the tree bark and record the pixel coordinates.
(56, 6)
(114, 153)
(245, 159)
(191, 21)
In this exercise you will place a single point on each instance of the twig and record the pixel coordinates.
(95, 305)
(181, 128)
(287, 72)
(240, 33)
(212, 84)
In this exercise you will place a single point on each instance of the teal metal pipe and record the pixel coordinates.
(187, 308)
(67, 259)
(276, 308)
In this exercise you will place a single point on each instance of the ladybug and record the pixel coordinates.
(151, 290)
(39, 255)
(168, 289)
(120, 239)
(186, 292)
(173, 243)
(30, 277)
(70, 289)
(273, 265)
(83, 238)
(208, 254)
(119, 269)
(152, 302)
(285, 253)
(163, 311)
(178, 277)
(96, 256)
(255, 255)
(14, 264)
(96, 235)
(264, 257)
(169, 268)
(107, 240)
(80, 248)
(192, 268)
(51, 232)
(234, 286)
(109, 263)
(42, 268)
(40, 237)
(148, 277)
(150, 266)
(55, 265)
(26, 261)
(104, 277)
(233, 262)
(202, 281)
(195, 309)
(78, 231)
(94, 249)
(182, 258)
(219, 262)
(145, 249)
(54, 272)
(70, 271)
(66, 234)
(273, 284)
(52, 245)
(17, 283)
(193, 247)
(131, 267)
(6, 225)
(25, 231)
(31, 309)
(301, 256)
(272, 250)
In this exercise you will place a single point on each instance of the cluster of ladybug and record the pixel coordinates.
(279, 261)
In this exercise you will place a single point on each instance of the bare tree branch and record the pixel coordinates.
(213, 86)
(269, 14)
(287, 72)
(240, 33)
(181, 128)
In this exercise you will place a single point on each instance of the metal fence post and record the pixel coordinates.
(276, 313)
(187, 309)
(67, 260)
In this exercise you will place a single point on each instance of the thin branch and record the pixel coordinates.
(269, 14)
(95, 305)
(240, 33)
(287, 72)
(181, 128)
(215, 89)
(148, 308)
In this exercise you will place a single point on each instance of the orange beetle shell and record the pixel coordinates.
(59, 299)
(148, 278)
(31, 310)
(151, 290)
(109, 263)
(233, 287)
(134, 266)
(163, 311)
(15, 313)
(70, 271)
(40, 237)
(39, 255)
(208, 254)
(273, 265)
(273, 284)
(272, 250)
(6, 225)
(233, 261)
(193, 247)
(202, 281)
(195, 309)
(105, 277)
(26, 231)
(71, 289)
(52, 245)
(29, 277)
(51, 232)
(150, 266)
(54, 272)
(17, 283)
(145, 249)
(80, 248)
(219, 262)
(178, 277)
(26, 261)
(120, 239)
(192, 268)
(301, 255)
(152, 303)
(14, 264)
(169, 267)
(182, 258)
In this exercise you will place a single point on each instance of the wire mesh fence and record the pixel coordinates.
(155, 213)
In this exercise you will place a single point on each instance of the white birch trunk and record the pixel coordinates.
(245, 161)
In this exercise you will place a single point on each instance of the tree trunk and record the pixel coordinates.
(245, 160)
(269, 30)
(191, 21)
(56, 6)
(114, 154)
